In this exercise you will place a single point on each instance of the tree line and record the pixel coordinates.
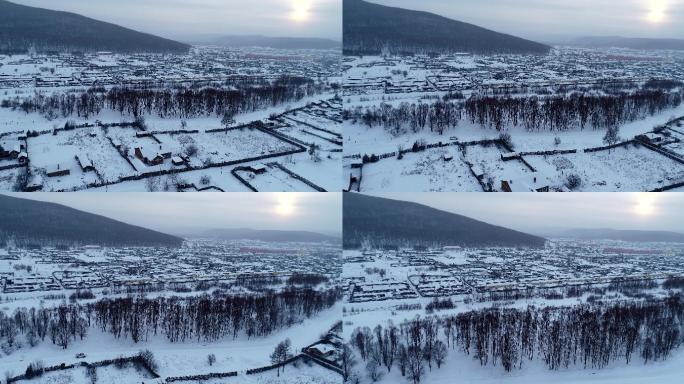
(534, 113)
(204, 318)
(181, 102)
(587, 335)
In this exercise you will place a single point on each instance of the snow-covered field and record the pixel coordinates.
(179, 359)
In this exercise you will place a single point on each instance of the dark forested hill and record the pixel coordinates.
(384, 222)
(29, 222)
(269, 235)
(369, 28)
(277, 42)
(23, 28)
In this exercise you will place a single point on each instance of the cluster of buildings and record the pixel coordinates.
(455, 271)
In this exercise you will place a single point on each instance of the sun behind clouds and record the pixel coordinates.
(645, 204)
(657, 11)
(301, 11)
(286, 204)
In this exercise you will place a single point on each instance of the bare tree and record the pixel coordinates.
(440, 353)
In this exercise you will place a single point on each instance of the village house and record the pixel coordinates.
(11, 148)
(178, 160)
(152, 154)
(258, 168)
(85, 162)
(651, 138)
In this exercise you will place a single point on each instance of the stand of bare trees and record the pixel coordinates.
(552, 113)
(588, 335)
(186, 102)
(205, 318)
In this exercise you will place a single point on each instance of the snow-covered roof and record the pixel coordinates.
(11, 145)
(151, 151)
(477, 170)
(35, 182)
(84, 160)
(653, 136)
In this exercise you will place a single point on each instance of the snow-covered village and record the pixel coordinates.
(394, 192)
(215, 119)
(115, 303)
(434, 104)
(481, 303)
(574, 120)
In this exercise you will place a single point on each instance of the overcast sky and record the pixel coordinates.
(548, 20)
(182, 213)
(540, 212)
(187, 19)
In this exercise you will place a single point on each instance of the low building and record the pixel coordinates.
(35, 184)
(258, 168)
(510, 156)
(477, 171)
(651, 138)
(177, 160)
(85, 162)
(56, 170)
(152, 154)
(10, 148)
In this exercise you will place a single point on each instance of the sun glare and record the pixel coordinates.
(286, 204)
(656, 11)
(645, 204)
(301, 10)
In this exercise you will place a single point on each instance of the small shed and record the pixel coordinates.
(177, 160)
(652, 137)
(258, 168)
(85, 162)
(35, 184)
(56, 170)
(510, 156)
(477, 171)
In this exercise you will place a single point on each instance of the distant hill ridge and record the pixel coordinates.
(269, 235)
(23, 28)
(623, 235)
(385, 222)
(277, 42)
(371, 28)
(28, 222)
(628, 42)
